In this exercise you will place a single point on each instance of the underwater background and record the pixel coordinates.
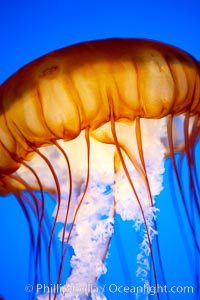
(30, 29)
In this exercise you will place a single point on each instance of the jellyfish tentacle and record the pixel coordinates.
(87, 138)
(189, 158)
(194, 205)
(69, 198)
(40, 216)
(141, 154)
(67, 212)
(57, 210)
(172, 155)
(39, 206)
(134, 191)
(21, 197)
(193, 139)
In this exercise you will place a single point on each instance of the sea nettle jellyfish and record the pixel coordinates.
(92, 125)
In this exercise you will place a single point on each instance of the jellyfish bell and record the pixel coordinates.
(92, 124)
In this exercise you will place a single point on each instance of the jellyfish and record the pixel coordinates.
(92, 126)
